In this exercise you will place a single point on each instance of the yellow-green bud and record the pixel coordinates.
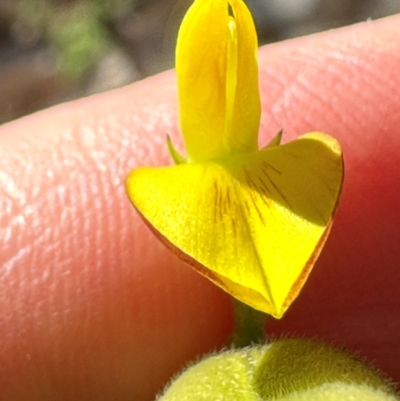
(285, 370)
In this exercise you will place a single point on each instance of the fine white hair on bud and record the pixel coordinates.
(285, 370)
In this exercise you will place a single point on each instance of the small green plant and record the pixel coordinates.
(75, 30)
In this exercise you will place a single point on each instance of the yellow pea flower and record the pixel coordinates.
(251, 220)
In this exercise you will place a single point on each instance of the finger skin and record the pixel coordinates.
(92, 307)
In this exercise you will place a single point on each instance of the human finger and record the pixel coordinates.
(98, 308)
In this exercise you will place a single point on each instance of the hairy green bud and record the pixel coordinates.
(285, 370)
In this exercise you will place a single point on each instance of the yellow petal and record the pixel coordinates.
(253, 224)
(243, 119)
(217, 74)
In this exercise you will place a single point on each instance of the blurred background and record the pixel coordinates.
(57, 50)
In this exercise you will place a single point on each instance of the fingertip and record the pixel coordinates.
(85, 278)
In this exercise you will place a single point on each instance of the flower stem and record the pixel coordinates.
(249, 325)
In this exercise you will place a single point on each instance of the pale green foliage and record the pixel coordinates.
(79, 37)
(287, 370)
(76, 30)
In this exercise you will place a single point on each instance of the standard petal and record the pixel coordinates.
(289, 194)
(255, 224)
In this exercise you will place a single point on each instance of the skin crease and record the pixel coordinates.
(93, 307)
